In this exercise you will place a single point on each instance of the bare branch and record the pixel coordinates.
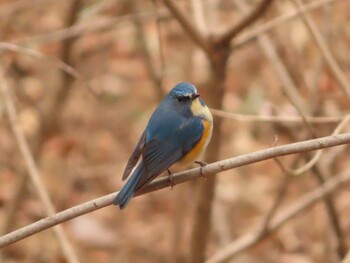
(324, 49)
(277, 202)
(346, 258)
(213, 168)
(160, 42)
(33, 169)
(192, 31)
(289, 87)
(80, 29)
(318, 155)
(198, 13)
(276, 119)
(113, 23)
(60, 64)
(253, 33)
(298, 207)
(16, 6)
(147, 56)
(245, 22)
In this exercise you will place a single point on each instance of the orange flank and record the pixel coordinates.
(201, 144)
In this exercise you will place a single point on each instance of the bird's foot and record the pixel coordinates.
(170, 176)
(202, 164)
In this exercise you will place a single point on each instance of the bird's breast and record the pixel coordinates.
(201, 145)
(199, 109)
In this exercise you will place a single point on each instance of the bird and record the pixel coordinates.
(178, 132)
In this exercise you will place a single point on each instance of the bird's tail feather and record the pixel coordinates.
(127, 192)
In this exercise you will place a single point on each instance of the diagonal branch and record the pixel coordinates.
(152, 71)
(192, 31)
(253, 33)
(58, 63)
(299, 206)
(343, 82)
(33, 169)
(245, 22)
(210, 169)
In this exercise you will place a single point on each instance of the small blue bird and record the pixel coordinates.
(178, 132)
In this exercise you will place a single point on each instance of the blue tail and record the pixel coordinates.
(127, 192)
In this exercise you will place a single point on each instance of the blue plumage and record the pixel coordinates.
(127, 192)
(171, 133)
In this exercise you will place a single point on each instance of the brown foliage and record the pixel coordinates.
(81, 145)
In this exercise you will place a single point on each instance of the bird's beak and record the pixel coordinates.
(194, 96)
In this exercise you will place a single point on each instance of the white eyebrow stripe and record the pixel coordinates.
(195, 89)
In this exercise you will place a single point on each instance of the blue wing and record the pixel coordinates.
(135, 156)
(169, 137)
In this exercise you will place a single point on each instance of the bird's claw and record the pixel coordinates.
(202, 164)
(170, 176)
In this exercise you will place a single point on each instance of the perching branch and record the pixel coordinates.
(213, 168)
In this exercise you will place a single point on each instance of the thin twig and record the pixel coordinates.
(65, 67)
(245, 22)
(16, 6)
(297, 101)
(112, 23)
(97, 7)
(50, 119)
(78, 30)
(346, 258)
(198, 13)
(152, 71)
(324, 49)
(279, 196)
(160, 42)
(32, 168)
(210, 169)
(276, 204)
(253, 33)
(192, 31)
(318, 155)
(289, 87)
(276, 119)
(321, 178)
(305, 202)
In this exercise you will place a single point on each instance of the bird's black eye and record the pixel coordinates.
(183, 99)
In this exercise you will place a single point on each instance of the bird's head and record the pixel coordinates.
(185, 99)
(184, 93)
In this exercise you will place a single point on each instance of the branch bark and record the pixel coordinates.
(252, 34)
(190, 29)
(245, 22)
(210, 169)
(299, 206)
(324, 49)
(33, 169)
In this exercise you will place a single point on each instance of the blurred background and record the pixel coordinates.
(129, 54)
